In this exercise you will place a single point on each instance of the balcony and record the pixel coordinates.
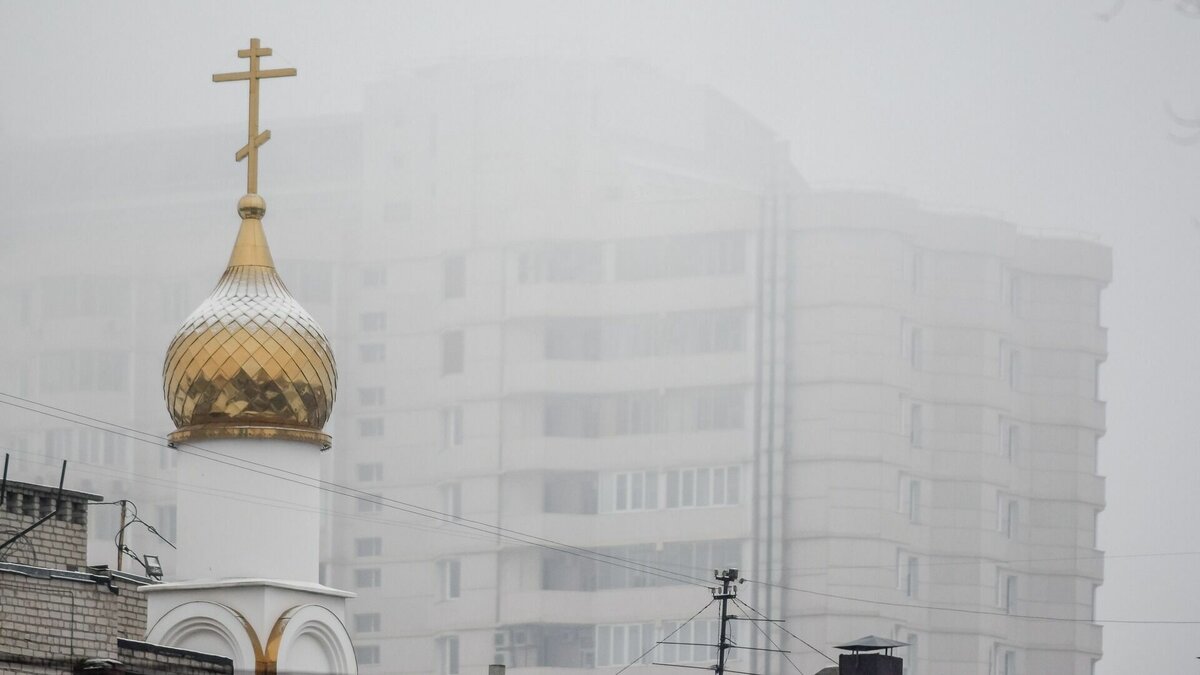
(630, 605)
(615, 529)
(625, 452)
(701, 370)
(645, 297)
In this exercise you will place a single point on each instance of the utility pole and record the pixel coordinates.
(727, 592)
(121, 537)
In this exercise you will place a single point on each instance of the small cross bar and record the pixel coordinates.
(260, 74)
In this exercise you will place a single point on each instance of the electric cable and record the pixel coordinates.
(321, 484)
(963, 610)
(327, 486)
(665, 638)
(513, 535)
(769, 639)
(107, 471)
(780, 625)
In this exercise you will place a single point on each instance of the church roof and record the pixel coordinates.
(250, 362)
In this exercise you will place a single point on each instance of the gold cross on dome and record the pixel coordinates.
(253, 138)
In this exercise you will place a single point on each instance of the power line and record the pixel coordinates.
(254, 499)
(963, 610)
(363, 495)
(101, 470)
(780, 626)
(665, 638)
(769, 639)
(346, 491)
(506, 533)
(978, 560)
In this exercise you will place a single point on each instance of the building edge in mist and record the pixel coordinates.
(595, 305)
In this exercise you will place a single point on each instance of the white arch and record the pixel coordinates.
(311, 639)
(212, 628)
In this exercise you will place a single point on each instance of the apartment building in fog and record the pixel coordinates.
(594, 305)
(598, 307)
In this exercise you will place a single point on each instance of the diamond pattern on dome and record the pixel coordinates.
(250, 356)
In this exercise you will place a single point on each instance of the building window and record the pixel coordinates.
(448, 655)
(906, 573)
(371, 396)
(641, 336)
(910, 498)
(629, 491)
(370, 426)
(570, 262)
(452, 352)
(454, 277)
(1007, 513)
(1007, 595)
(372, 353)
(368, 546)
(696, 638)
(367, 655)
(1006, 661)
(370, 504)
(915, 424)
(643, 412)
(368, 577)
(374, 276)
(311, 281)
(372, 321)
(692, 255)
(1010, 290)
(1010, 439)
(449, 579)
(564, 572)
(703, 486)
(909, 666)
(917, 272)
(83, 371)
(911, 347)
(367, 623)
(369, 473)
(451, 494)
(1010, 366)
(452, 427)
(620, 644)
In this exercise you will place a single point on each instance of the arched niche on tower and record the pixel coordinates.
(311, 638)
(212, 628)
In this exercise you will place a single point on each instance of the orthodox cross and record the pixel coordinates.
(253, 138)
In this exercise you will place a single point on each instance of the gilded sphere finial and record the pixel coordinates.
(252, 206)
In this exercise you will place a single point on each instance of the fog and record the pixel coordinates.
(554, 245)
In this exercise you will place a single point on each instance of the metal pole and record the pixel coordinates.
(121, 538)
(726, 577)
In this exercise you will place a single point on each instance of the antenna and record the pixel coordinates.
(727, 592)
(57, 505)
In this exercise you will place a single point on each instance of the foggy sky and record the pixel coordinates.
(1041, 112)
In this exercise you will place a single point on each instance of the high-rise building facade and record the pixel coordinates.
(609, 315)
(598, 308)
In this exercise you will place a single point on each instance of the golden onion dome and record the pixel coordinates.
(250, 362)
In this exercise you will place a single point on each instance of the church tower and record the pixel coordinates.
(250, 381)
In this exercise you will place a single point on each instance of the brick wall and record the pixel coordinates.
(58, 617)
(148, 659)
(60, 542)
